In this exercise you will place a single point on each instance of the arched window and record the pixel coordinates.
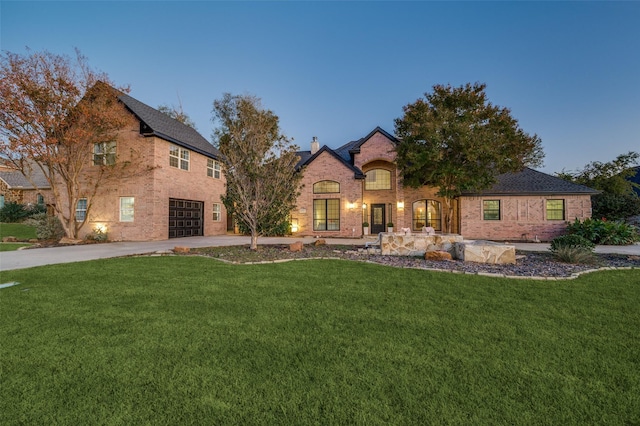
(427, 213)
(326, 187)
(377, 179)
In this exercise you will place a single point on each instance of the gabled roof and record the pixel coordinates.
(347, 150)
(161, 125)
(309, 158)
(530, 182)
(16, 180)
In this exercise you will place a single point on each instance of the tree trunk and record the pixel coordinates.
(448, 215)
(254, 240)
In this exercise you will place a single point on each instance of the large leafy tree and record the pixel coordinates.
(259, 164)
(54, 110)
(618, 200)
(454, 139)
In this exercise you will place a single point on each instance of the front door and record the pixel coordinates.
(377, 218)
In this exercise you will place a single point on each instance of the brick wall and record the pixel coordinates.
(522, 217)
(151, 181)
(327, 167)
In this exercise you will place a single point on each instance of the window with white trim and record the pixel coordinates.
(217, 212)
(81, 210)
(178, 157)
(213, 168)
(104, 153)
(127, 209)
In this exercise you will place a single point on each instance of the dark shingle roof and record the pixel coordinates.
(16, 180)
(161, 125)
(529, 182)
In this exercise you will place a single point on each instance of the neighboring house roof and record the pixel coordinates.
(16, 180)
(156, 123)
(309, 158)
(530, 182)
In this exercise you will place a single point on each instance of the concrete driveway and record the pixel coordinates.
(48, 256)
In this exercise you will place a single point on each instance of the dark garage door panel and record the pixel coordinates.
(185, 218)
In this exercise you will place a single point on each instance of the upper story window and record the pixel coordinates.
(377, 179)
(178, 157)
(326, 187)
(104, 153)
(555, 209)
(213, 168)
(491, 209)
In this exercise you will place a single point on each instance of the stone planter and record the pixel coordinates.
(365, 230)
(390, 229)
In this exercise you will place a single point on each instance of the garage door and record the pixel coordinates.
(185, 218)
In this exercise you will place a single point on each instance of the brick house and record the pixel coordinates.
(15, 187)
(172, 186)
(360, 183)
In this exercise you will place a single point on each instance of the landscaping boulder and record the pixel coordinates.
(320, 242)
(297, 246)
(181, 249)
(9, 240)
(438, 255)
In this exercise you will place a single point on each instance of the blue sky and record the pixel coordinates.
(568, 71)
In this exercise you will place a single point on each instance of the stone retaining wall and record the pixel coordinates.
(399, 244)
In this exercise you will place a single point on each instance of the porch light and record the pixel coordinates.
(294, 225)
(351, 206)
(400, 205)
(364, 206)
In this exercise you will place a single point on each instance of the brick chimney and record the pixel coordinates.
(315, 145)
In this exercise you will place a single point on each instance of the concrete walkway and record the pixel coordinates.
(48, 256)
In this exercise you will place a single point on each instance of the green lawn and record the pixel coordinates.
(189, 340)
(18, 230)
(12, 246)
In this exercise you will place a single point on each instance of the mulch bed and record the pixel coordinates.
(528, 264)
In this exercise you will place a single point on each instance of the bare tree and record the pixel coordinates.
(259, 164)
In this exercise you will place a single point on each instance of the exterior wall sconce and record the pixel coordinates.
(351, 206)
(364, 206)
(294, 225)
(400, 205)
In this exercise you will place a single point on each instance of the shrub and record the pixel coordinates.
(47, 227)
(573, 241)
(615, 206)
(573, 248)
(12, 212)
(601, 231)
(97, 235)
(569, 254)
